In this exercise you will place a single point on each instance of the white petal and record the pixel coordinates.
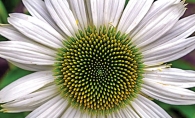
(106, 12)
(126, 112)
(133, 14)
(31, 101)
(32, 67)
(172, 76)
(112, 13)
(79, 10)
(78, 114)
(157, 67)
(139, 110)
(168, 48)
(25, 85)
(119, 114)
(101, 116)
(89, 11)
(169, 52)
(16, 110)
(52, 108)
(55, 110)
(168, 94)
(36, 29)
(37, 8)
(181, 30)
(157, 6)
(26, 53)
(13, 34)
(109, 116)
(62, 15)
(85, 115)
(59, 110)
(114, 115)
(145, 109)
(129, 112)
(69, 113)
(151, 108)
(97, 12)
(158, 25)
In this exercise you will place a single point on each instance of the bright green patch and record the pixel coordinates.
(190, 1)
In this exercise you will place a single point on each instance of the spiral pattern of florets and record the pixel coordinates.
(99, 70)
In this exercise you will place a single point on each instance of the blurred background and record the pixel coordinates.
(9, 72)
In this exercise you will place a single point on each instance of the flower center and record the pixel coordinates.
(99, 70)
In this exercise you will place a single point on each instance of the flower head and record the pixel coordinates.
(98, 58)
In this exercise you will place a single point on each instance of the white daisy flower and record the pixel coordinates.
(98, 58)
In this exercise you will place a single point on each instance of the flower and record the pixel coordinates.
(98, 58)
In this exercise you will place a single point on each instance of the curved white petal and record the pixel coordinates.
(157, 6)
(144, 110)
(63, 16)
(112, 13)
(158, 67)
(37, 8)
(115, 115)
(158, 25)
(168, 48)
(106, 12)
(52, 108)
(167, 93)
(172, 76)
(99, 116)
(168, 52)
(78, 114)
(58, 111)
(133, 14)
(109, 116)
(13, 34)
(79, 10)
(69, 113)
(85, 115)
(32, 67)
(172, 57)
(129, 112)
(150, 108)
(181, 30)
(119, 114)
(25, 85)
(26, 53)
(36, 29)
(97, 12)
(31, 101)
(140, 110)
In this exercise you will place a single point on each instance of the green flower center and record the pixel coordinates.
(99, 70)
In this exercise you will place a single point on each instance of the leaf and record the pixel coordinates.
(3, 13)
(190, 1)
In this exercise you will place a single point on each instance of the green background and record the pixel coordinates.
(12, 72)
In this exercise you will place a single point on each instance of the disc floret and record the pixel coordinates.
(99, 70)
